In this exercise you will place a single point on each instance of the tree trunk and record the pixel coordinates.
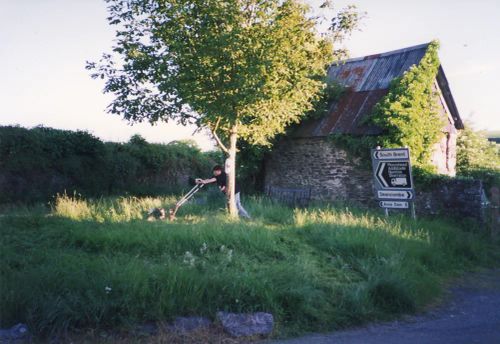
(231, 174)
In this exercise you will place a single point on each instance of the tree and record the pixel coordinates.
(477, 157)
(242, 68)
(475, 151)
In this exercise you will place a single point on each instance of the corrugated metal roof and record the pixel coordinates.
(376, 72)
(367, 80)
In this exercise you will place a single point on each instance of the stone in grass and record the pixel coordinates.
(188, 324)
(13, 334)
(239, 325)
(148, 329)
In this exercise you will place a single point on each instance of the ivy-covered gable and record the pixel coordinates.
(408, 114)
(399, 98)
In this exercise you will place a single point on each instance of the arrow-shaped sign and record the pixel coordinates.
(389, 154)
(379, 175)
(394, 204)
(395, 194)
(393, 174)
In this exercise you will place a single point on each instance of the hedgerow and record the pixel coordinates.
(38, 163)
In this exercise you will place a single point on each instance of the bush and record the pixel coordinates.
(37, 163)
(477, 157)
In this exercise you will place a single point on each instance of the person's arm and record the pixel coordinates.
(205, 181)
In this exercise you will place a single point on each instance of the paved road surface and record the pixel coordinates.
(471, 314)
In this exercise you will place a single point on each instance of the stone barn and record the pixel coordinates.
(308, 161)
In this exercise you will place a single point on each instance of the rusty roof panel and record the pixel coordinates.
(376, 71)
(387, 68)
(346, 116)
(367, 80)
(351, 74)
(359, 108)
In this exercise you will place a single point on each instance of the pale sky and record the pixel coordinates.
(44, 45)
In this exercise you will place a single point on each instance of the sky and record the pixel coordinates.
(44, 45)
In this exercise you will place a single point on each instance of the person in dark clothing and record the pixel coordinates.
(220, 177)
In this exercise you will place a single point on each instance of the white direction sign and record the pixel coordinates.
(392, 174)
(394, 204)
(391, 154)
(395, 194)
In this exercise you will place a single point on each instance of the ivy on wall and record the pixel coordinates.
(407, 115)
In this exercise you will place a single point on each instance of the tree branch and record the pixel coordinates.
(219, 142)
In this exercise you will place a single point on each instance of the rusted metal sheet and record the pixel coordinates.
(376, 71)
(367, 80)
(346, 116)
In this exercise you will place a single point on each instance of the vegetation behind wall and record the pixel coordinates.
(37, 163)
(477, 157)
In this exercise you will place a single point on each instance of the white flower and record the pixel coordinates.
(204, 248)
(107, 289)
(189, 259)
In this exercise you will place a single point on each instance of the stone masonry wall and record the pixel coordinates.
(317, 164)
(332, 175)
(454, 198)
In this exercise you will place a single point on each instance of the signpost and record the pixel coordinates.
(394, 174)
(392, 178)
(394, 195)
(394, 204)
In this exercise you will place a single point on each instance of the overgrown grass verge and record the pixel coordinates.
(98, 264)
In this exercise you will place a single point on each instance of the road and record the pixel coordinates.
(469, 314)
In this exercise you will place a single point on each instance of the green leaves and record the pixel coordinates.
(477, 157)
(408, 113)
(257, 65)
(475, 151)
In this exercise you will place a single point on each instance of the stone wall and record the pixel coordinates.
(454, 198)
(317, 164)
(332, 175)
(444, 153)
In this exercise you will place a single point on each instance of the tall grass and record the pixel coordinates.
(106, 209)
(99, 264)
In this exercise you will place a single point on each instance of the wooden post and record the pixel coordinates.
(413, 212)
(495, 213)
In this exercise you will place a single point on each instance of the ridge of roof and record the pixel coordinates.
(387, 53)
(367, 80)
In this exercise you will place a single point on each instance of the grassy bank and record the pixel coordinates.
(98, 264)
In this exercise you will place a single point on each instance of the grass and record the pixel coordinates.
(98, 264)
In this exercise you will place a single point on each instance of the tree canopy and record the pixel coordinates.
(475, 151)
(242, 68)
